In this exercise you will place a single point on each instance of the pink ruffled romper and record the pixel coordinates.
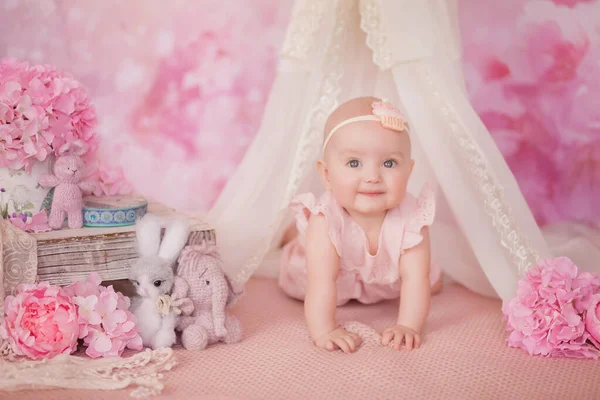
(363, 277)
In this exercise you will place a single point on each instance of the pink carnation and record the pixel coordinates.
(40, 321)
(546, 316)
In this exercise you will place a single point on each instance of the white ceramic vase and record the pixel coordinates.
(20, 191)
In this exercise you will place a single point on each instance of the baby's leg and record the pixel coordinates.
(289, 234)
(292, 273)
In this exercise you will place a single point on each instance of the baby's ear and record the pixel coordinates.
(324, 174)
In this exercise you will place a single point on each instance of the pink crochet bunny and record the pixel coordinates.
(68, 171)
(209, 289)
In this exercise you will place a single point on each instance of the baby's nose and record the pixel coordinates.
(372, 175)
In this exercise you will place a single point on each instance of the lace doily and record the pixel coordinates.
(144, 371)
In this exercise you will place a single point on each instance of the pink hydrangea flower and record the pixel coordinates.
(592, 317)
(41, 109)
(40, 321)
(109, 180)
(546, 316)
(106, 325)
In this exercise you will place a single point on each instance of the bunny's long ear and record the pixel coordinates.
(176, 236)
(147, 233)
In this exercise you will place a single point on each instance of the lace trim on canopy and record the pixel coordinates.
(301, 35)
(371, 23)
(309, 145)
(522, 255)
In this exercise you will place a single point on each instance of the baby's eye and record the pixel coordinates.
(353, 163)
(157, 283)
(389, 163)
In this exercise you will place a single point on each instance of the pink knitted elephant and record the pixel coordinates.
(68, 172)
(210, 290)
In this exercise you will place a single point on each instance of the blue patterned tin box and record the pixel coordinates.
(113, 211)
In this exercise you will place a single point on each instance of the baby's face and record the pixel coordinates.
(367, 167)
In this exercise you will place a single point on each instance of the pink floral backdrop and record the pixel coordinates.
(180, 90)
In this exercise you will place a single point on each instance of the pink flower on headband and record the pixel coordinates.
(390, 116)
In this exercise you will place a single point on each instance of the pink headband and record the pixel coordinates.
(389, 116)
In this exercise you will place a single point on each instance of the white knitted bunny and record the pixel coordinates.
(152, 276)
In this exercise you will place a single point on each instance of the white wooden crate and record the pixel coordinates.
(69, 255)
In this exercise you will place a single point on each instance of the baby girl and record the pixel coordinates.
(366, 238)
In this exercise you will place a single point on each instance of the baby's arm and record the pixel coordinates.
(415, 296)
(321, 294)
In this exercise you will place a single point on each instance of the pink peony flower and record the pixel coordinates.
(40, 321)
(106, 325)
(546, 316)
(592, 318)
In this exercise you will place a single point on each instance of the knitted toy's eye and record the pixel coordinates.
(157, 283)
(207, 283)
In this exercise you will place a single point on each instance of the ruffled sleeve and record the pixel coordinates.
(307, 204)
(418, 212)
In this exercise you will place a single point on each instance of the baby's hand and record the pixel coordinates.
(339, 339)
(397, 334)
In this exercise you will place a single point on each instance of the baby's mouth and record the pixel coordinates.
(371, 193)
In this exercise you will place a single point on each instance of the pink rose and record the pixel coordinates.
(592, 318)
(40, 321)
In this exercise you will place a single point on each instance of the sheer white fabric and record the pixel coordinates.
(407, 52)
